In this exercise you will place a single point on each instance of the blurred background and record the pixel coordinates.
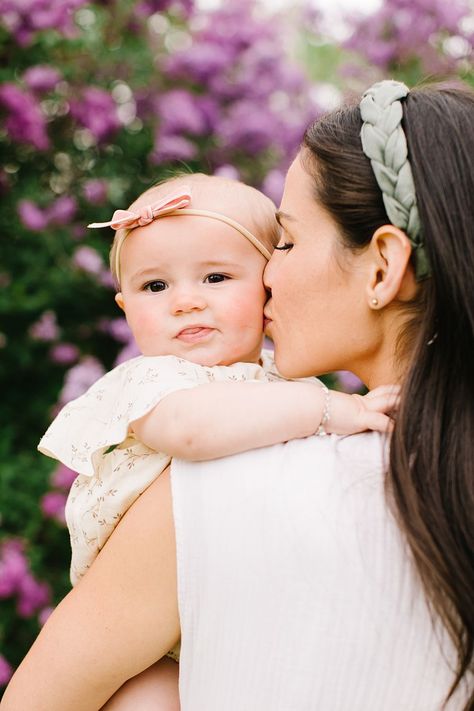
(98, 100)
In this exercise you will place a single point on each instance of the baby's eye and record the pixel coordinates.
(284, 246)
(215, 278)
(155, 286)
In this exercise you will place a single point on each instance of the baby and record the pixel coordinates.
(188, 260)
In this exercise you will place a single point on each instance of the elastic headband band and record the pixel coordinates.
(172, 204)
(384, 142)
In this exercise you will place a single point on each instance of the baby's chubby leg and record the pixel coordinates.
(155, 689)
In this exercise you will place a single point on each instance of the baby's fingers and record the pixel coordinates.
(379, 422)
(385, 402)
(382, 390)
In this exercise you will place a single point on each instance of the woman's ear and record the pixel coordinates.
(391, 273)
(119, 300)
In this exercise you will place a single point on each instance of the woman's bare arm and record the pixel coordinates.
(117, 621)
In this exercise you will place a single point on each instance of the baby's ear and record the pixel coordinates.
(119, 300)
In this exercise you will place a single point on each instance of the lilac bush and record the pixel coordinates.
(417, 37)
(24, 122)
(25, 18)
(107, 98)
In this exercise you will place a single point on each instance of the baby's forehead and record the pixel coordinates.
(207, 193)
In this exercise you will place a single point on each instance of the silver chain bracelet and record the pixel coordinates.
(321, 431)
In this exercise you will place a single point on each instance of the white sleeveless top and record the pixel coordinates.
(296, 590)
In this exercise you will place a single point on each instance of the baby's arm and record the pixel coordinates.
(218, 419)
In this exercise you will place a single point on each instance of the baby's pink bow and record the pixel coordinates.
(144, 215)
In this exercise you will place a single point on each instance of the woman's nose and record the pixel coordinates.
(268, 276)
(187, 300)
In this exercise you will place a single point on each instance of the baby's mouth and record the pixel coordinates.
(194, 334)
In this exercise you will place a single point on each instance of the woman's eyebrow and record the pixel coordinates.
(279, 215)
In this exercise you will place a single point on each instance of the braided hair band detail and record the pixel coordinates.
(384, 143)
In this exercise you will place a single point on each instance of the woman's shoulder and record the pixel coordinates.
(322, 473)
(355, 454)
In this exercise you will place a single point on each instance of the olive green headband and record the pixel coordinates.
(384, 142)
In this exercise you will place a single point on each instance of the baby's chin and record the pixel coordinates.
(207, 357)
(207, 360)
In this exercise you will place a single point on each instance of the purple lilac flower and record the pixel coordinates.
(25, 17)
(88, 260)
(32, 216)
(118, 328)
(80, 377)
(179, 112)
(17, 580)
(62, 477)
(64, 353)
(405, 29)
(13, 567)
(106, 279)
(32, 595)
(349, 382)
(95, 191)
(199, 63)
(78, 232)
(52, 505)
(169, 148)
(44, 614)
(96, 110)
(252, 85)
(62, 210)
(227, 171)
(273, 185)
(41, 78)
(243, 126)
(6, 671)
(129, 351)
(25, 122)
(45, 328)
(146, 8)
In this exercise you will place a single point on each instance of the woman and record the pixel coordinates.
(327, 573)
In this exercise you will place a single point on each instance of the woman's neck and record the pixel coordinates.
(386, 365)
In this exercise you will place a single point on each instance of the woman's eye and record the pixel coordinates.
(155, 286)
(285, 246)
(215, 278)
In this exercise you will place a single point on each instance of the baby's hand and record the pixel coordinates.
(349, 414)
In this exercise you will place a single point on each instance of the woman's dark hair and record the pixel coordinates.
(431, 472)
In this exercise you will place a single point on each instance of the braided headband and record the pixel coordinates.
(384, 142)
(172, 204)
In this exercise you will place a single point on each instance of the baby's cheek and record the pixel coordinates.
(248, 311)
(144, 329)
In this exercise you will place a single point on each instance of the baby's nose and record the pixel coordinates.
(186, 300)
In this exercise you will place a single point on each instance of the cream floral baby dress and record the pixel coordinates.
(91, 435)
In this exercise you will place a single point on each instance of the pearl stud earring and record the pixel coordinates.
(374, 302)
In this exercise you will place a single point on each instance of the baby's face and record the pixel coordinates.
(192, 287)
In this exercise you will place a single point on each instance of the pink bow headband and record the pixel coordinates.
(172, 204)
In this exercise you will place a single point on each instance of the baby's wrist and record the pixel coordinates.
(322, 430)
